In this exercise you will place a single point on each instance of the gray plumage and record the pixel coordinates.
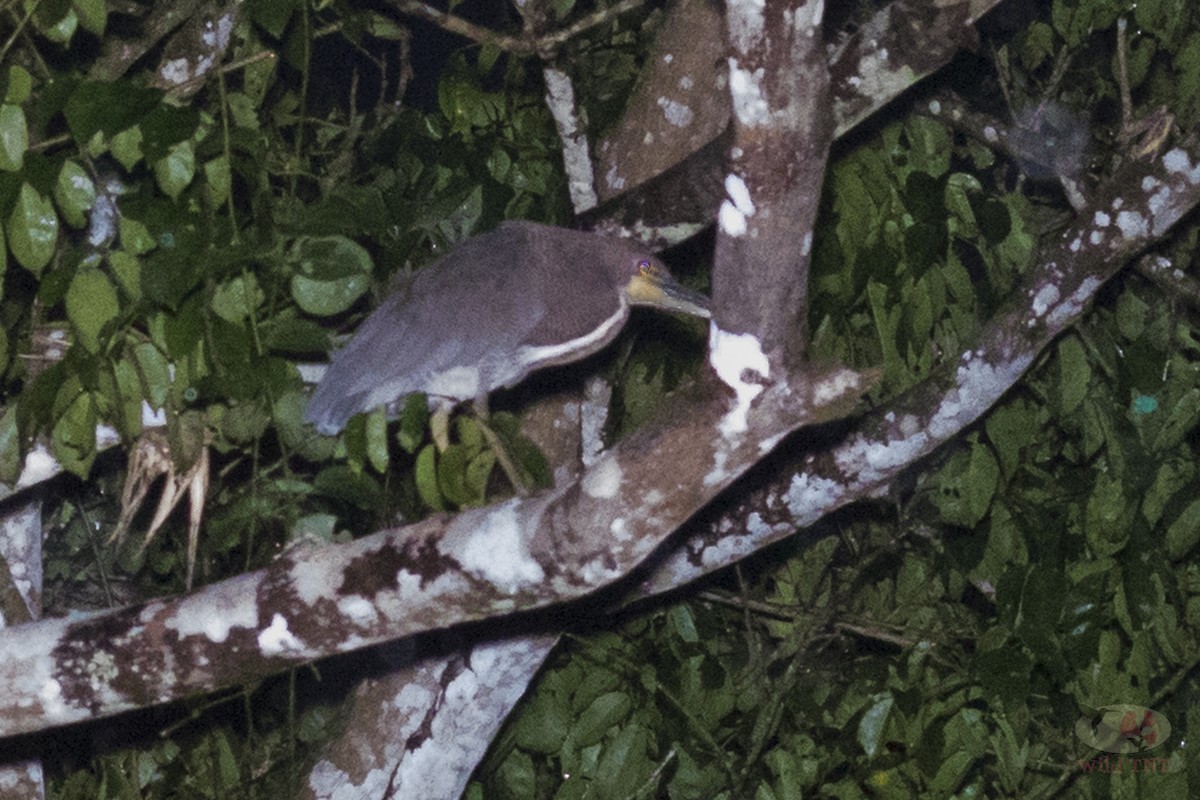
(496, 308)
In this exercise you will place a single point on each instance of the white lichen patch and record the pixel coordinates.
(810, 15)
(1075, 245)
(1096, 237)
(1149, 184)
(676, 113)
(603, 480)
(733, 222)
(614, 179)
(979, 384)
(810, 497)
(1101, 220)
(1073, 305)
(489, 543)
(314, 575)
(745, 89)
(1045, 297)
(276, 639)
(832, 387)
(910, 425)
(726, 550)
(770, 443)
(101, 670)
(1176, 161)
(1132, 224)
(358, 609)
(732, 355)
(745, 20)
(326, 780)
(52, 698)
(806, 244)
(739, 194)
(176, 71)
(619, 530)
(872, 460)
(593, 418)
(989, 133)
(686, 83)
(718, 474)
(215, 613)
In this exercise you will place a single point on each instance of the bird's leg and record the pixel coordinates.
(506, 463)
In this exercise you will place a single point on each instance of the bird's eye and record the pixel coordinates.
(644, 268)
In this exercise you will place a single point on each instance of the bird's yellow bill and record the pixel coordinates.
(654, 286)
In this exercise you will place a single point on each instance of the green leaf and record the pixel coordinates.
(244, 422)
(1173, 475)
(74, 435)
(91, 305)
(1184, 532)
(425, 472)
(128, 272)
(75, 193)
(14, 137)
(218, 180)
(543, 726)
(605, 711)
(126, 395)
(93, 14)
(1109, 515)
(136, 237)
(62, 30)
(126, 147)
(872, 728)
(175, 171)
(20, 85)
(10, 446)
(414, 418)
(107, 107)
(1074, 375)
(288, 414)
(329, 274)
(236, 300)
(377, 440)
(478, 475)
(272, 15)
(340, 482)
(1010, 428)
(452, 475)
(1131, 315)
(32, 229)
(965, 486)
(1036, 44)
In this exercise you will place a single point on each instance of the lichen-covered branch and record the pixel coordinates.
(521, 555)
(779, 83)
(1131, 212)
(662, 169)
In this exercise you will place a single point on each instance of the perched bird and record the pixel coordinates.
(493, 310)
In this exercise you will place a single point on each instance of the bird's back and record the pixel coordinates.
(456, 329)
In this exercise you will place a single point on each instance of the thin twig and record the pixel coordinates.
(520, 45)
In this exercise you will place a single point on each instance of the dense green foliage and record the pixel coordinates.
(941, 645)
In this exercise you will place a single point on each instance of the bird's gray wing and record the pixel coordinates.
(455, 316)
